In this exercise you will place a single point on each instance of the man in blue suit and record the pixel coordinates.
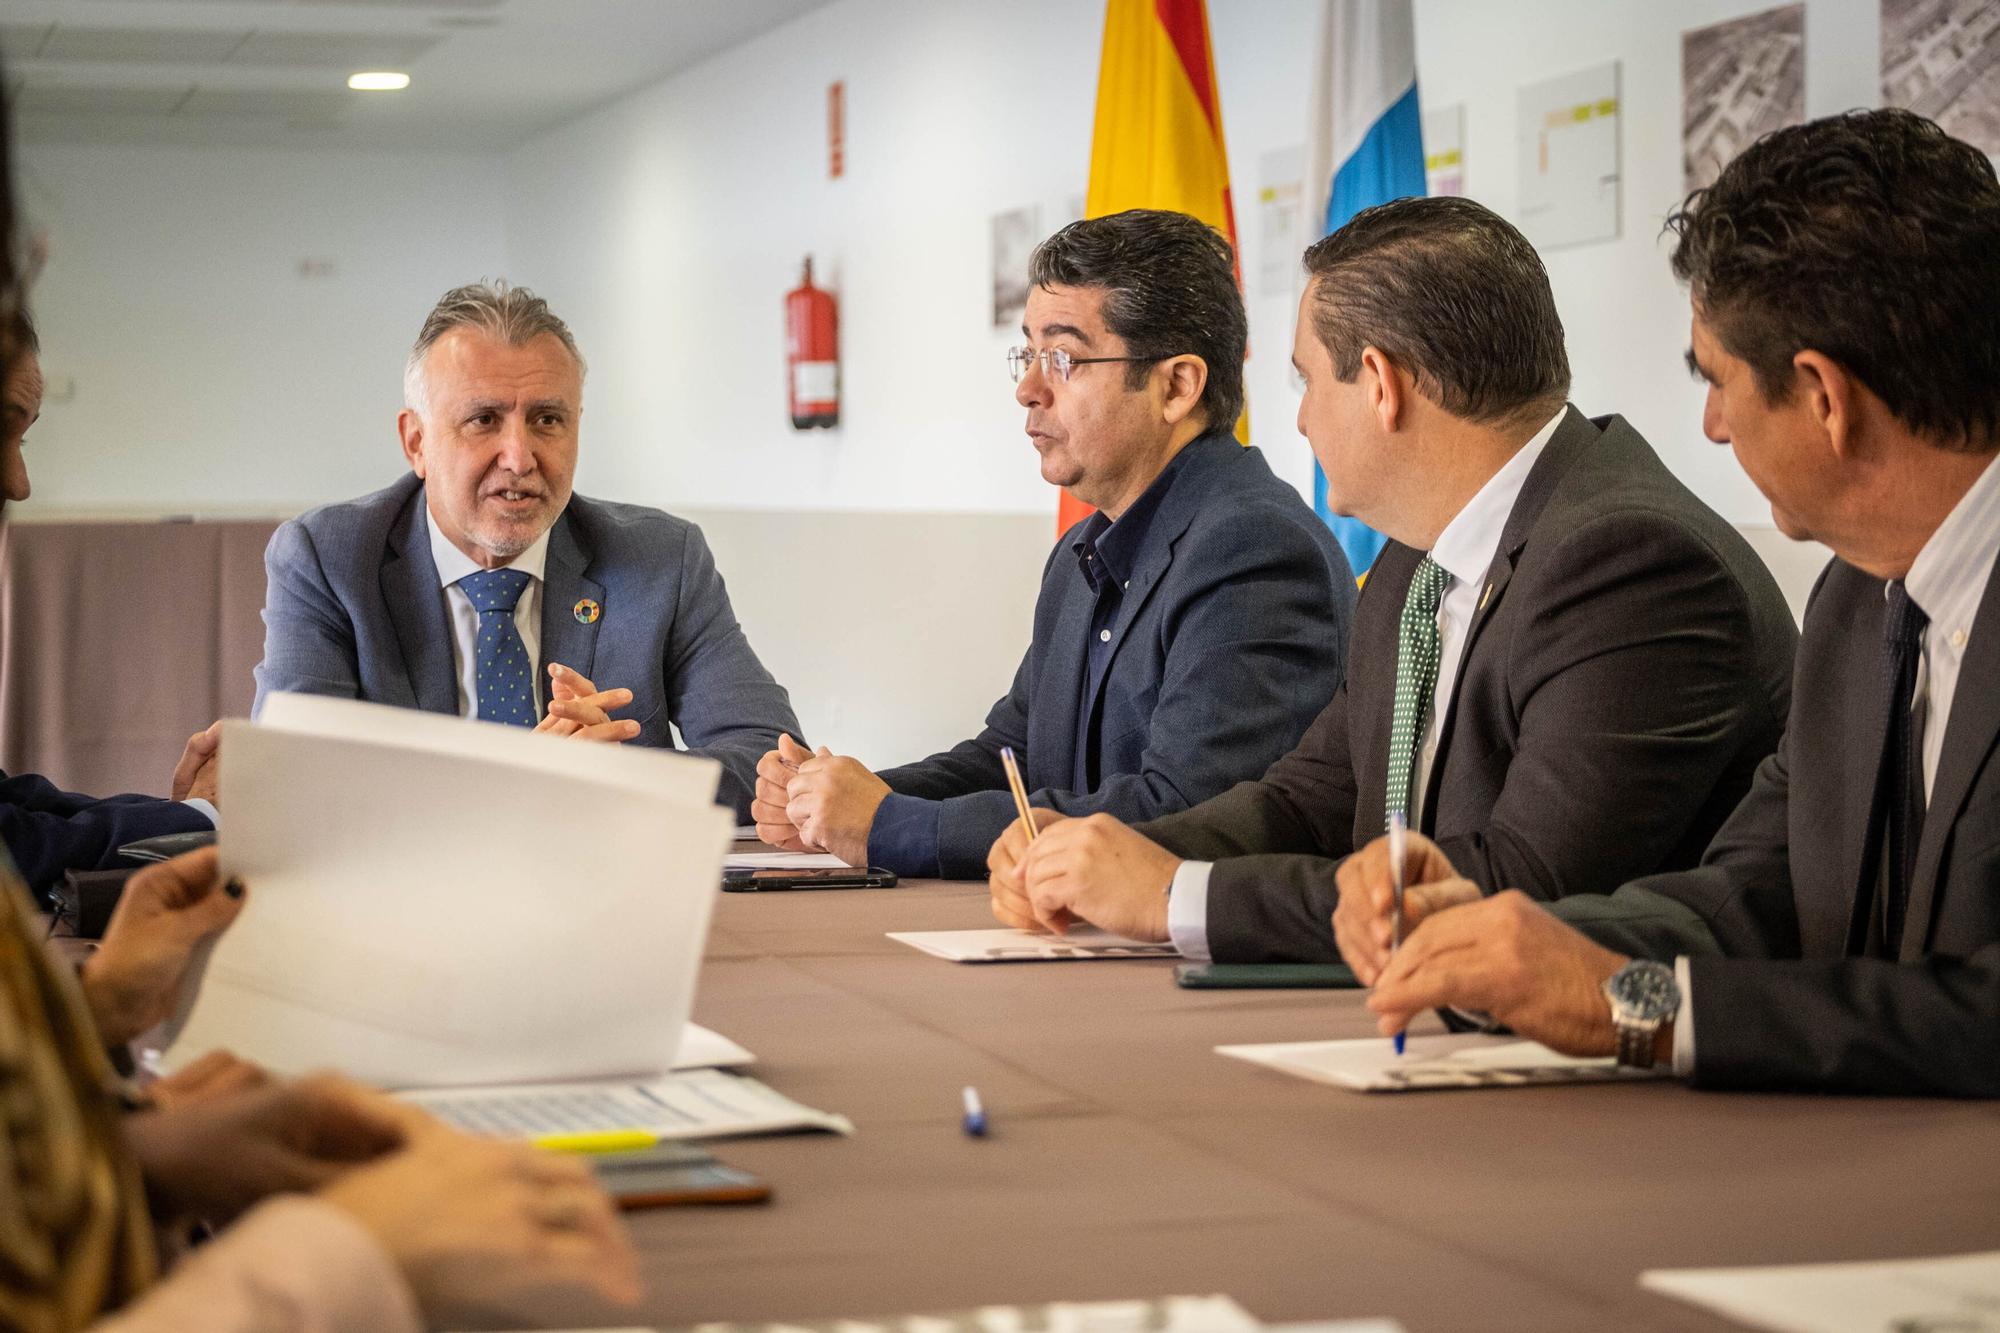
(1186, 633)
(48, 830)
(479, 585)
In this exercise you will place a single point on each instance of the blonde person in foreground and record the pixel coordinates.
(342, 1210)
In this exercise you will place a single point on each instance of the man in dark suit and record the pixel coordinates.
(48, 830)
(479, 585)
(1843, 931)
(1185, 633)
(1565, 667)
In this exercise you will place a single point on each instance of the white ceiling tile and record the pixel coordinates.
(342, 51)
(55, 99)
(149, 46)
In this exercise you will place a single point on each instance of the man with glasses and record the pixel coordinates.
(1185, 634)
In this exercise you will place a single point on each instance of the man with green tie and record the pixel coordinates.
(1565, 668)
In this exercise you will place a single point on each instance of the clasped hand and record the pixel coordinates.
(1094, 868)
(816, 800)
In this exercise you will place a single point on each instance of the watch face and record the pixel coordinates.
(1645, 991)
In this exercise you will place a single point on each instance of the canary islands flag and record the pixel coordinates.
(1158, 138)
(1364, 146)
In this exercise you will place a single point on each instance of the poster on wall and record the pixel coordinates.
(1941, 59)
(1279, 244)
(1444, 150)
(1739, 81)
(1568, 157)
(1015, 235)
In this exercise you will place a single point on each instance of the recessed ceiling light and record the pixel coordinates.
(378, 81)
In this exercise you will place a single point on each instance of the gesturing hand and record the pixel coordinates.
(578, 708)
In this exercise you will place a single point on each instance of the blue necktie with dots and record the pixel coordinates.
(501, 669)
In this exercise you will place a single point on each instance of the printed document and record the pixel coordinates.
(1021, 946)
(437, 902)
(700, 1104)
(1960, 1293)
(1454, 1060)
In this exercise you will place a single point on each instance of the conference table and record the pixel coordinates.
(1127, 1159)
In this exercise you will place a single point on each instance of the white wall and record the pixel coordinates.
(191, 366)
(669, 225)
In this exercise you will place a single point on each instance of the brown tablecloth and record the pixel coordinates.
(1127, 1159)
(119, 640)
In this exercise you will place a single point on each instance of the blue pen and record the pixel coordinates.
(1398, 827)
(975, 1114)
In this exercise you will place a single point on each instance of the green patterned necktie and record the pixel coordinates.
(1417, 654)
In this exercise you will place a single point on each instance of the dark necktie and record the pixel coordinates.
(1418, 649)
(1896, 815)
(501, 669)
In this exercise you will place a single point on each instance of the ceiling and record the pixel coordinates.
(486, 75)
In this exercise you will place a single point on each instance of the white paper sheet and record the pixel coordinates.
(696, 1104)
(705, 1048)
(783, 861)
(1960, 1293)
(1468, 1060)
(1020, 946)
(436, 902)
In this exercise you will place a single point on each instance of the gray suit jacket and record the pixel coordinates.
(1228, 639)
(1627, 669)
(1778, 1000)
(352, 608)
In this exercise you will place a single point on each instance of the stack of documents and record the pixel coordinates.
(1960, 1293)
(1021, 946)
(1468, 1060)
(1165, 1314)
(435, 903)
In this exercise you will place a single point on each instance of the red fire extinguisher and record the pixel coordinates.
(812, 354)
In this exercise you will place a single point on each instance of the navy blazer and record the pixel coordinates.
(1230, 639)
(353, 608)
(49, 831)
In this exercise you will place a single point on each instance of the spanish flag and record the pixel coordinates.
(1158, 139)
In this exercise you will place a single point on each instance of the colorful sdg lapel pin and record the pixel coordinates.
(586, 612)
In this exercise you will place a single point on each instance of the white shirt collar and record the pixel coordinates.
(454, 564)
(1948, 577)
(1468, 543)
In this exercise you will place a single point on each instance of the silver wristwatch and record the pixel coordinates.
(1643, 995)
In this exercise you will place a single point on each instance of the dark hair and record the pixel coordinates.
(1453, 294)
(1872, 237)
(1170, 289)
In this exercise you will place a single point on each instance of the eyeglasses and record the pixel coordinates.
(1056, 363)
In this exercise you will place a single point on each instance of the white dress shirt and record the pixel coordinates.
(1465, 549)
(453, 565)
(1946, 581)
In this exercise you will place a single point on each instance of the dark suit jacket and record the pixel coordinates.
(353, 609)
(1777, 1001)
(1228, 640)
(49, 831)
(1628, 667)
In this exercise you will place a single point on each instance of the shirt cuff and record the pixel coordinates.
(1683, 1022)
(904, 837)
(208, 810)
(1187, 909)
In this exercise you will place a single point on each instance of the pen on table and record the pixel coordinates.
(1019, 788)
(975, 1114)
(1398, 826)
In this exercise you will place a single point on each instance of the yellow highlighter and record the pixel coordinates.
(599, 1141)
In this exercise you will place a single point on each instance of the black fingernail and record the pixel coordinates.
(234, 888)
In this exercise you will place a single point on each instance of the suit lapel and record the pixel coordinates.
(415, 599)
(1970, 733)
(566, 585)
(1576, 434)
